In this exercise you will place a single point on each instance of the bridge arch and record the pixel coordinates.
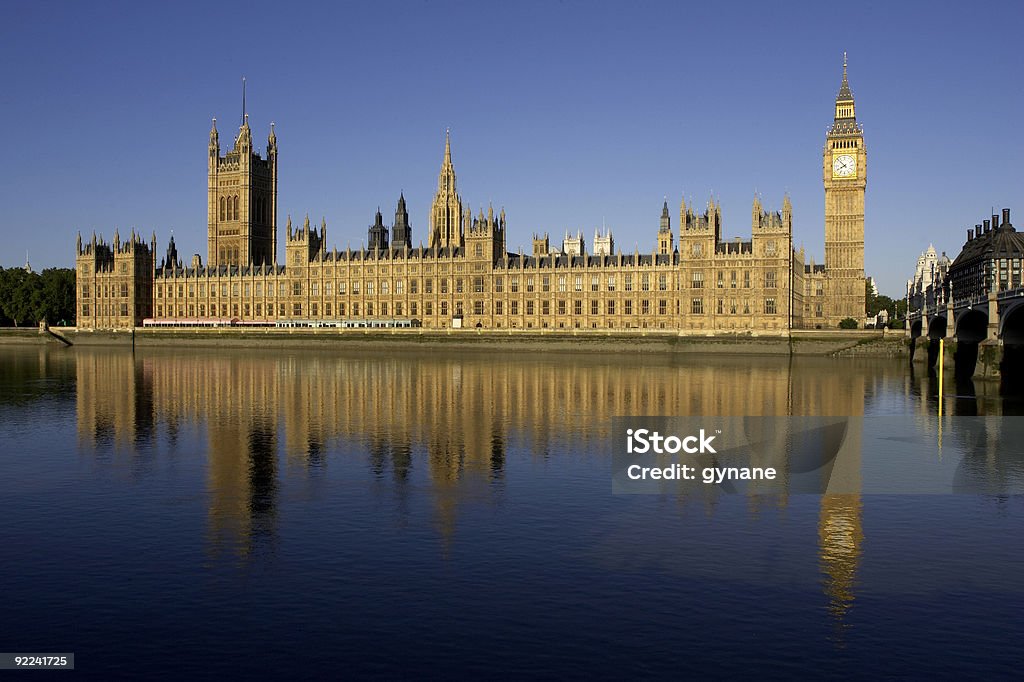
(1011, 323)
(915, 329)
(971, 326)
(937, 327)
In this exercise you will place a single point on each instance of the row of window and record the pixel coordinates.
(106, 290)
(561, 307)
(562, 285)
(770, 280)
(106, 309)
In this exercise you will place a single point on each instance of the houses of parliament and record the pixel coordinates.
(695, 281)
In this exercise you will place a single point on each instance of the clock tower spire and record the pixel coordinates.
(844, 166)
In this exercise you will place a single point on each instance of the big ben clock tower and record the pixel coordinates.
(845, 177)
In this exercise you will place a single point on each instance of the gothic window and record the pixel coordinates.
(223, 210)
(769, 306)
(645, 306)
(697, 306)
(593, 307)
(697, 280)
(499, 283)
(478, 284)
(662, 282)
(595, 283)
(769, 279)
(611, 307)
(236, 207)
(577, 308)
(645, 282)
(746, 279)
(478, 307)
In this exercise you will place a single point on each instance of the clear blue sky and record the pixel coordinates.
(565, 113)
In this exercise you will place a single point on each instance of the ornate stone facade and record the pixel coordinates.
(466, 277)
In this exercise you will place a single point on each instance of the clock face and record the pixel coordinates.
(844, 166)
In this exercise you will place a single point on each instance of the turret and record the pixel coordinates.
(401, 233)
(214, 143)
(665, 240)
(377, 235)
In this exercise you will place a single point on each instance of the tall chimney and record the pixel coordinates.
(995, 221)
(1006, 218)
(982, 229)
(970, 234)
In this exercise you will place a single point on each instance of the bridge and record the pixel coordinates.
(986, 332)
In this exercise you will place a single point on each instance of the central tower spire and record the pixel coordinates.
(446, 214)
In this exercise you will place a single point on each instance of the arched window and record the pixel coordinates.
(223, 211)
(236, 207)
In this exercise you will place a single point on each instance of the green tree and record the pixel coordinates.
(58, 295)
(870, 299)
(848, 323)
(21, 296)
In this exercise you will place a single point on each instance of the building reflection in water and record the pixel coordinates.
(267, 415)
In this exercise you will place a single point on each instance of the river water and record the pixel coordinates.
(191, 512)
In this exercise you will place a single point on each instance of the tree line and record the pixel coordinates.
(26, 298)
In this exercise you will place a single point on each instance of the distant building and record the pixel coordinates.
(604, 243)
(574, 246)
(925, 288)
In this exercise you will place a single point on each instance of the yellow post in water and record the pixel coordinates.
(941, 358)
